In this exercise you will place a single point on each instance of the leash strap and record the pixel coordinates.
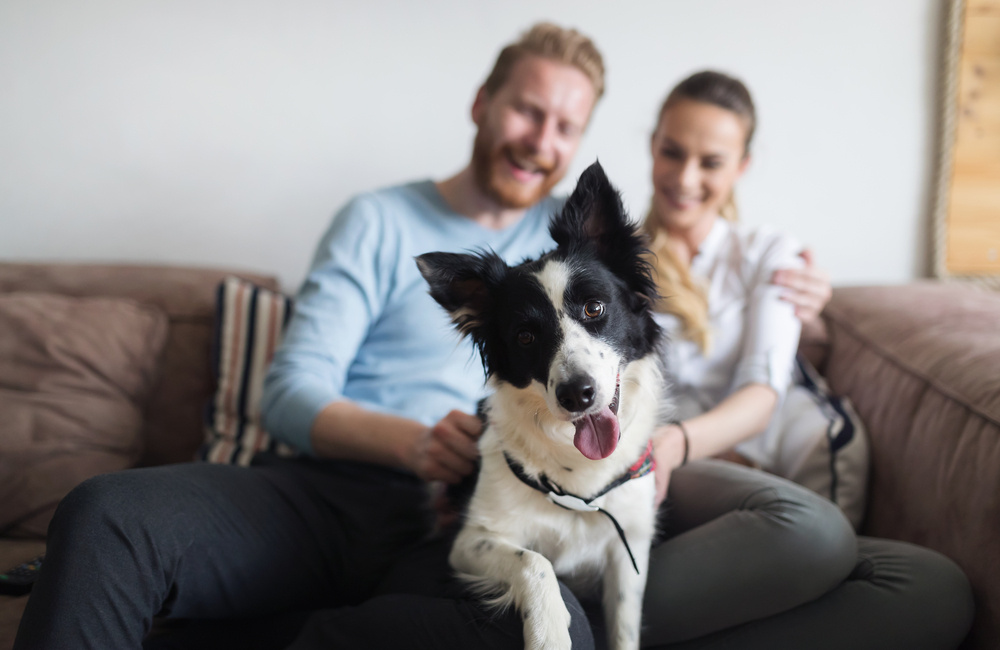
(569, 501)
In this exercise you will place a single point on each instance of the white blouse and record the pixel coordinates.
(754, 334)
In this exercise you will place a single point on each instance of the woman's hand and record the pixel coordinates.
(668, 452)
(447, 451)
(808, 289)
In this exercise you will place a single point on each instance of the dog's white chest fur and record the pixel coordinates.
(576, 542)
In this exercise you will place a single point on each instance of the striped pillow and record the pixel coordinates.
(250, 321)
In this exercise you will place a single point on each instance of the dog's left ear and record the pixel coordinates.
(595, 217)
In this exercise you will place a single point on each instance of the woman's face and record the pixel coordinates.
(698, 154)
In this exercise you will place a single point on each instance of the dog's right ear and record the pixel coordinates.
(461, 284)
(595, 216)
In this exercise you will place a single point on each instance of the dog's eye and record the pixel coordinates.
(525, 338)
(593, 309)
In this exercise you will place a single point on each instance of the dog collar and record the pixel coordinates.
(569, 501)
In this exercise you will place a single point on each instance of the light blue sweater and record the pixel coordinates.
(364, 327)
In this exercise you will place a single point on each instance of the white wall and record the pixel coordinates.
(226, 132)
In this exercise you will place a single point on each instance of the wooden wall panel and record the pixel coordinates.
(973, 210)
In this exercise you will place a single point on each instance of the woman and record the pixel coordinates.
(751, 560)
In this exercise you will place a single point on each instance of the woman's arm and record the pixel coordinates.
(742, 415)
(770, 336)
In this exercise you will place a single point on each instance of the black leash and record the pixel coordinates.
(570, 501)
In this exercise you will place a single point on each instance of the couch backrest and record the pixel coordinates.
(922, 364)
(173, 422)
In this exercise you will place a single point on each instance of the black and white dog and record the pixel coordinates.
(565, 487)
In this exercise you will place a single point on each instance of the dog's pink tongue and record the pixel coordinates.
(597, 435)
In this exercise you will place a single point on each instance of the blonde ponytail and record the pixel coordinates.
(680, 295)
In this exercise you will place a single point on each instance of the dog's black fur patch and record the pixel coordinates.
(505, 311)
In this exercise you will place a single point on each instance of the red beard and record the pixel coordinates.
(498, 186)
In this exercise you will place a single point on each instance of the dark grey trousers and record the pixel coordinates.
(754, 561)
(749, 561)
(241, 558)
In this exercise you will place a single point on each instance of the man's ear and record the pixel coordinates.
(461, 284)
(479, 105)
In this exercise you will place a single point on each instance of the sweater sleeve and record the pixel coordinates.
(771, 335)
(340, 298)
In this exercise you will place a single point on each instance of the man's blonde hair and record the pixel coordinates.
(552, 42)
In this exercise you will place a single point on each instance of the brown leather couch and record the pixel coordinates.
(171, 426)
(921, 363)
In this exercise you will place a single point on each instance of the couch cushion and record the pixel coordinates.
(173, 423)
(946, 334)
(75, 374)
(250, 326)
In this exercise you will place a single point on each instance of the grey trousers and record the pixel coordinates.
(750, 560)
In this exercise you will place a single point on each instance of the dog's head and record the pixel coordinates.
(564, 326)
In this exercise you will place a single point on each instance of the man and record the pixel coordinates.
(370, 385)
(370, 377)
(531, 114)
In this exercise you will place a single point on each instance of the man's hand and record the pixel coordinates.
(447, 451)
(808, 289)
(668, 451)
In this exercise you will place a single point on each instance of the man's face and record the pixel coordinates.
(529, 130)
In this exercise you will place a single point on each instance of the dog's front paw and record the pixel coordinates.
(546, 625)
(548, 634)
(625, 640)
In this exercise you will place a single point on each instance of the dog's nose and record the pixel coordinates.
(576, 394)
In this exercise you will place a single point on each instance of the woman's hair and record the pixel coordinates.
(680, 294)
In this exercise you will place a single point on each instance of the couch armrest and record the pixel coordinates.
(922, 364)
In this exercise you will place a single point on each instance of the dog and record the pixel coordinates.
(569, 347)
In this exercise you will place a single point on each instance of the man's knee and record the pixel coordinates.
(102, 503)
